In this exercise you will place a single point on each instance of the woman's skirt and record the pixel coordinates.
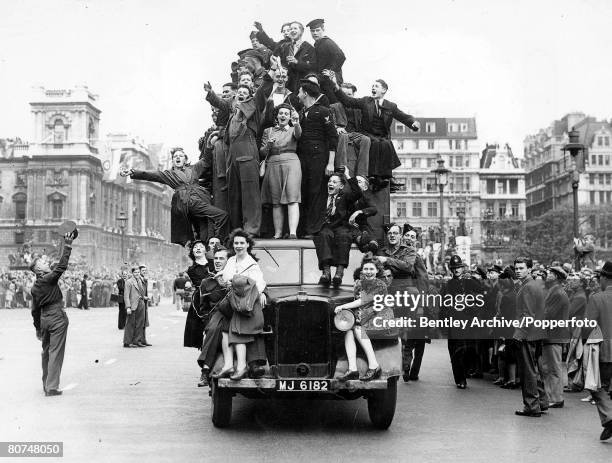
(282, 182)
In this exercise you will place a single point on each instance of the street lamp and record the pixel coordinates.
(441, 180)
(576, 150)
(122, 220)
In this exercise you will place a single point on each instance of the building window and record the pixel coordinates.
(416, 163)
(592, 197)
(432, 209)
(464, 127)
(490, 186)
(402, 184)
(416, 209)
(430, 184)
(457, 144)
(607, 159)
(42, 236)
(400, 145)
(593, 159)
(608, 196)
(601, 179)
(430, 144)
(602, 197)
(466, 162)
(502, 210)
(591, 179)
(59, 133)
(399, 127)
(20, 200)
(458, 161)
(19, 237)
(431, 162)
(450, 144)
(430, 127)
(401, 209)
(515, 209)
(608, 176)
(415, 144)
(606, 141)
(601, 161)
(513, 186)
(417, 185)
(465, 145)
(57, 209)
(599, 141)
(501, 187)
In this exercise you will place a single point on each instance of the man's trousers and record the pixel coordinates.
(53, 329)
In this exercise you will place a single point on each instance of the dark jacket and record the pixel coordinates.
(530, 303)
(305, 57)
(343, 203)
(367, 105)
(599, 309)
(556, 307)
(318, 126)
(329, 56)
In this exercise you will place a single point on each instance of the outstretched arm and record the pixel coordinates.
(406, 119)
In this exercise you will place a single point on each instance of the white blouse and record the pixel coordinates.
(254, 272)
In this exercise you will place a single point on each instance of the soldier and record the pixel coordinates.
(50, 320)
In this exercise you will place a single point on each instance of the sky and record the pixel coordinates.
(514, 65)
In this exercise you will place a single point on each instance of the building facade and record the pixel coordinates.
(418, 201)
(67, 173)
(502, 201)
(549, 171)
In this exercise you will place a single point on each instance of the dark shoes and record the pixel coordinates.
(556, 404)
(52, 392)
(336, 280)
(130, 345)
(462, 385)
(240, 374)
(511, 385)
(325, 279)
(371, 374)
(499, 382)
(140, 344)
(349, 375)
(528, 413)
(607, 432)
(224, 373)
(256, 372)
(147, 344)
(204, 377)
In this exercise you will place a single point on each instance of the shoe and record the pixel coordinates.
(126, 345)
(462, 385)
(406, 376)
(256, 372)
(556, 404)
(511, 385)
(371, 374)
(52, 392)
(204, 377)
(413, 378)
(336, 281)
(147, 344)
(240, 374)
(277, 237)
(350, 374)
(293, 237)
(528, 413)
(607, 432)
(586, 399)
(325, 279)
(499, 382)
(130, 345)
(141, 345)
(224, 373)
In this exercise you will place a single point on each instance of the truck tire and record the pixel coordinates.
(221, 406)
(381, 405)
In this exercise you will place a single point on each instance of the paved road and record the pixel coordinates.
(142, 405)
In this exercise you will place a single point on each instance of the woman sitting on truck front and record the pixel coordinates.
(368, 286)
(245, 329)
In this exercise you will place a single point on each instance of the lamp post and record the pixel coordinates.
(122, 220)
(441, 180)
(576, 150)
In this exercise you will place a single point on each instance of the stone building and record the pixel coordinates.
(67, 173)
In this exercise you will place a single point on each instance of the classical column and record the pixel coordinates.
(84, 197)
(130, 224)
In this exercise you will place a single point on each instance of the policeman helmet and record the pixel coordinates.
(455, 262)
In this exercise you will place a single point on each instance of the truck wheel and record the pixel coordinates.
(381, 405)
(221, 406)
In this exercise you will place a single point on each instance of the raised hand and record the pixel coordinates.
(258, 26)
(207, 87)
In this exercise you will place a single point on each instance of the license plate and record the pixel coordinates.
(303, 385)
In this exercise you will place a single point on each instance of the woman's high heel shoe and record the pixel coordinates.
(226, 373)
(240, 374)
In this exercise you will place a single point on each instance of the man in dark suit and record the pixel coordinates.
(377, 115)
(84, 302)
(268, 42)
(298, 56)
(556, 307)
(333, 240)
(121, 291)
(599, 308)
(530, 308)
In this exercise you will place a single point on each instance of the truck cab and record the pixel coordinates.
(305, 350)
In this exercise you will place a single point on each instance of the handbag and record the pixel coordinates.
(243, 295)
(262, 167)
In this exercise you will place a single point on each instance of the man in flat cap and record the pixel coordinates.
(556, 307)
(50, 320)
(599, 309)
(255, 63)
